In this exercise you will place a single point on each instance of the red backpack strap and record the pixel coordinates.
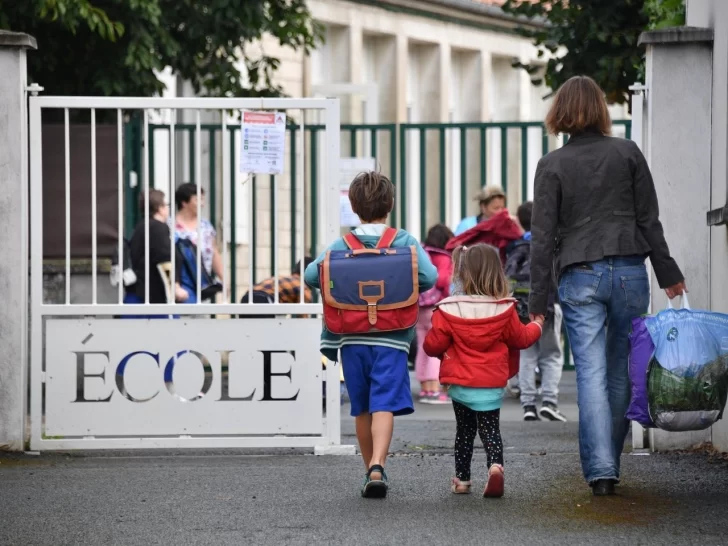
(387, 238)
(352, 241)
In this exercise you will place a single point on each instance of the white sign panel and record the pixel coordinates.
(263, 142)
(183, 377)
(349, 167)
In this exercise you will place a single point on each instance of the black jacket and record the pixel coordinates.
(594, 198)
(159, 252)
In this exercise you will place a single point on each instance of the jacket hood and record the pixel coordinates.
(479, 321)
(476, 307)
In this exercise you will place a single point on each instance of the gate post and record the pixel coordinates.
(13, 238)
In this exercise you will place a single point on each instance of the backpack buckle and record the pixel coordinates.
(371, 299)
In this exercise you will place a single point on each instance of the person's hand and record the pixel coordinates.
(539, 319)
(676, 290)
(180, 294)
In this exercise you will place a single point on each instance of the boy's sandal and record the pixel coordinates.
(375, 489)
(460, 487)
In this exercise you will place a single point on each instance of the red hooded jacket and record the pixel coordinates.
(478, 339)
(497, 231)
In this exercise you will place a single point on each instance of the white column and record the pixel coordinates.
(679, 91)
(401, 76)
(486, 111)
(13, 238)
(356, 58)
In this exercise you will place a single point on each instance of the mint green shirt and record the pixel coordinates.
(477, 399)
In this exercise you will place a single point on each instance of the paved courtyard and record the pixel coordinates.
(292, 497)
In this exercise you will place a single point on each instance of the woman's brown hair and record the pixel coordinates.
(479, 271)
(579, 105)
(156, 202)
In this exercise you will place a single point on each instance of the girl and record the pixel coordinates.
(427, 369)
(477, 334)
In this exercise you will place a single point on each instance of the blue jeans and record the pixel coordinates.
(599, 301)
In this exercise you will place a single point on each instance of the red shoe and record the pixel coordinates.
(496, 480)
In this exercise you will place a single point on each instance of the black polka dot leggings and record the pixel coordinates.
(470, 423)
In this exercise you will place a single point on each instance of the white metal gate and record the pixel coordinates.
(100, 381)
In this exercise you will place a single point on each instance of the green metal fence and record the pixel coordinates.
(376, 140)
(473, 145)
(392, 146)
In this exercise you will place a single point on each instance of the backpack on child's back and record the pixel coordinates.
(434, 295)
(370, 289)
(518, 273)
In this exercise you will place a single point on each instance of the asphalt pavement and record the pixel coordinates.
(291, 497)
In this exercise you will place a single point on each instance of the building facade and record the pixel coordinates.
(687, 88)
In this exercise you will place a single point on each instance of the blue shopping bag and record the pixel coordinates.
(687, 379)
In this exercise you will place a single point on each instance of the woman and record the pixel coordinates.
(595, 215)
(186, 228)
(159, 255)
(492, 200)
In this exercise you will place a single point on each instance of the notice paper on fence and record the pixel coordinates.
(263, 142)
(349, 167)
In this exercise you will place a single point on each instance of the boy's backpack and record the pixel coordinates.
(370, 289)
(434, 295)
(518, 273)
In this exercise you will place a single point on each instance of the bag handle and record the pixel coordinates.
(683, 300)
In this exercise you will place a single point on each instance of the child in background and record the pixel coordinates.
(374, 364)
(427, 368)
(546, 354)
(477, 335)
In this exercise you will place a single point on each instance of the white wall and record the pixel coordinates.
(714, 14)
(679, 93)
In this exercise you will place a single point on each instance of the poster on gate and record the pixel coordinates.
(349, 167)
(263, 142)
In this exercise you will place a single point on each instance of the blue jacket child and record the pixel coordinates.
(375, 364)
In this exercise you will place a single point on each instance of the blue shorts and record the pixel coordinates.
(377, 379)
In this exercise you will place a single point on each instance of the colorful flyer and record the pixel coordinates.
(263, 142)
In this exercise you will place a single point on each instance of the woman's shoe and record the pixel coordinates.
(603, 488)
(460, 487)
(496, 481)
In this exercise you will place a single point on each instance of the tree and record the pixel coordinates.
(114, 47)
(599, 38)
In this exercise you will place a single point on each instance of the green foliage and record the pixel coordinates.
(596, 38)
(665, 13)
(86, 50)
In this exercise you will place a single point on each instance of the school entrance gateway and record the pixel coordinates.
(105, 375)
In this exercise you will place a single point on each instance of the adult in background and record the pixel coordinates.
(191, 230)
(186, 224)
(595, 220)
(492, 201)
(289, 289)
(160, 253)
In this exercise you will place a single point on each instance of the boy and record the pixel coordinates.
(374, 364)
(546, 354)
